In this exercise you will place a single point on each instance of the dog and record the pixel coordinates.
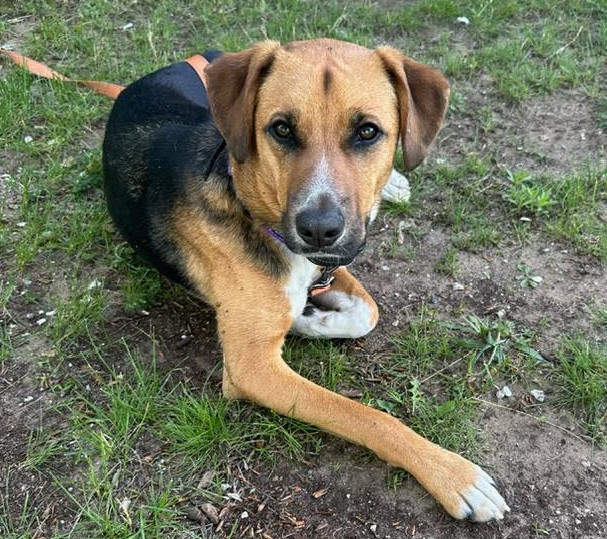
(256, 190)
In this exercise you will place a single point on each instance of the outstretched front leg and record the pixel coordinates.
(346, 310)
(253, 326)
(255, 311)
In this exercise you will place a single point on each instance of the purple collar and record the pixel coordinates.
(276, 235)
(270, 231)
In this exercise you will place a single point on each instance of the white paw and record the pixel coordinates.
(397, 189)
(482, 502)
(464, 489)
(348, 317)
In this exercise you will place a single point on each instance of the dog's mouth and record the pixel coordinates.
(340, 257)
(341, 253)
(330, 261)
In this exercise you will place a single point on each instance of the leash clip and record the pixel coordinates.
(323, 283)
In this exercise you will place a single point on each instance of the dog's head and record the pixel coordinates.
(312, 128)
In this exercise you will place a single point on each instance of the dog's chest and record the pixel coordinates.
(303, 274)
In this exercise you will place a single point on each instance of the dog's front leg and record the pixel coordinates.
(253, 326)
(346, 310)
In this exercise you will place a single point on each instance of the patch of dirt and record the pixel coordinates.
(555, 485)
(549, 133)
(20, 27)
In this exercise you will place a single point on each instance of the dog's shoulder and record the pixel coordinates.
(163, 154)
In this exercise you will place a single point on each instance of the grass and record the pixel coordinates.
(447, 264)
(526, 196)
(6, 346)
(573, 206)
(600, 316)
(134, 431)
(119, 416)
(581, 372)
(437, 367)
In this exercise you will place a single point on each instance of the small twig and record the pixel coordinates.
(582, 438)
(441, 370)
(561, 49)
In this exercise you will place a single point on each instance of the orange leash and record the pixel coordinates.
(108, 89)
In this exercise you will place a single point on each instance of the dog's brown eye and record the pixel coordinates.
(367, 132)
(282, 130)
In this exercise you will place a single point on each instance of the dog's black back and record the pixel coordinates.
(160, 138)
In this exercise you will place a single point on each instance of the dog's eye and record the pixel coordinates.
(367, 132)
(282, 130)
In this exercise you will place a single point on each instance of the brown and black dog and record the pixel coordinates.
(254, 190)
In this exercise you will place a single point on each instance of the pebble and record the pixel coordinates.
(504, 393)
(244, 515)
(463, 20)
(457, 287)
(124, 505)
(538, 395)
(41, 321)
(28, 139)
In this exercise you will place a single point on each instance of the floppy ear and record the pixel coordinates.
(423, 96)
(232, 83)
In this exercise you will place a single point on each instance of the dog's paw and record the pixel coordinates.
(397, 189)
(341, 317)
(464, 489)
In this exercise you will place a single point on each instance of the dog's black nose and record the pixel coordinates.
(320, 226)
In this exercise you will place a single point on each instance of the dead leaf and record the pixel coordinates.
(211, 512)
(195, 514)
(351, 393)
(321, 492)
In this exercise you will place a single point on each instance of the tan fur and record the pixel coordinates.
(252, 334)
(322, 81)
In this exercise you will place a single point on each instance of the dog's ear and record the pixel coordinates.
(232, 83)
(423, 96)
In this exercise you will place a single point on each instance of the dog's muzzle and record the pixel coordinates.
(323, 233)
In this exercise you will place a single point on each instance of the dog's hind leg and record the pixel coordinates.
(346, 310)
(397, 189)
